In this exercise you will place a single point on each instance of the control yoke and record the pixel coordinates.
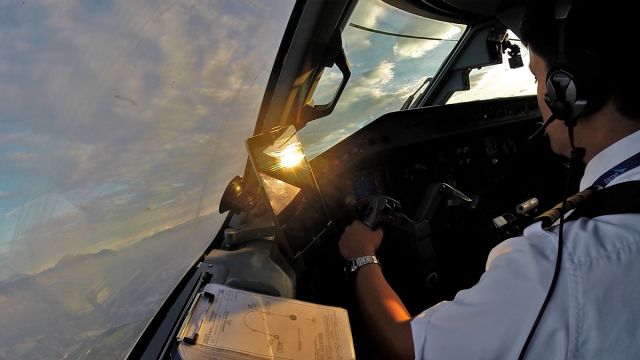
(380, 209)
(383, 209)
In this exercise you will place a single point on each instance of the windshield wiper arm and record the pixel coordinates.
(407, 103)
(396, 34)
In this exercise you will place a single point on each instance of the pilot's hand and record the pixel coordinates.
(359, 240)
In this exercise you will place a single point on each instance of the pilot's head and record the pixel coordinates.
(586, 76)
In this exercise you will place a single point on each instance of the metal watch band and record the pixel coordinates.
(360, 261)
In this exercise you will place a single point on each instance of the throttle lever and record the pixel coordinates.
(432, 197)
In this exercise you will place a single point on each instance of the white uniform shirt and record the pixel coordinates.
(594, 312)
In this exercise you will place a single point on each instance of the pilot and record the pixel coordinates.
(592, 310)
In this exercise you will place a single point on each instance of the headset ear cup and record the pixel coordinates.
(560, 93)
(564, 96)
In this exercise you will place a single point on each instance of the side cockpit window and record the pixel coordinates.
(499, 81)
(121, 122)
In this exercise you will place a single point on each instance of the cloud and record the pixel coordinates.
(417, 48)
(413, 48)
(368, 85)
(119, 106)
(186, 80)
(329, 82)
(367, 13)
(21, 157)
(380, 75)
(386, 70)
(372, 93)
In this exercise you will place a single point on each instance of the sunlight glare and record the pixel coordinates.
(291, 156)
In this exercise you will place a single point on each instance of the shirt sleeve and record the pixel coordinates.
(492, 319)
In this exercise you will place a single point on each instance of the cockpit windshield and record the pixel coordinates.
(121, 122)
(392, 55)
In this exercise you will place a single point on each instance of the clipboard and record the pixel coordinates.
(230, 324)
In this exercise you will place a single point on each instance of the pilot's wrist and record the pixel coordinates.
(353, 249)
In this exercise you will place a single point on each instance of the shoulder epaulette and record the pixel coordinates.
(616, 199)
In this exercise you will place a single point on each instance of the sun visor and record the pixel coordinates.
(484, 7)
(506, 11)
(465, 11)
(438, 10)
(512, 18)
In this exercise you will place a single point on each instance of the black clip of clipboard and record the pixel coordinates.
(195, 317)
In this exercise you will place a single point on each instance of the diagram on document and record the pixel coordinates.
(259, 319)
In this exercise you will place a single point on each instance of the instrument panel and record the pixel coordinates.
(481, 149)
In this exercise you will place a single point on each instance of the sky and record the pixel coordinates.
(123, 118)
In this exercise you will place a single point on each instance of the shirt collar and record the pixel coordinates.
(610, 157)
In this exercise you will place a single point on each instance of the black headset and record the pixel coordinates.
(576, 89)
(572, 91)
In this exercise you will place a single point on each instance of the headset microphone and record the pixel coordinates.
(547, 122)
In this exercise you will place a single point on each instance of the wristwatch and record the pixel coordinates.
(356, 263)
